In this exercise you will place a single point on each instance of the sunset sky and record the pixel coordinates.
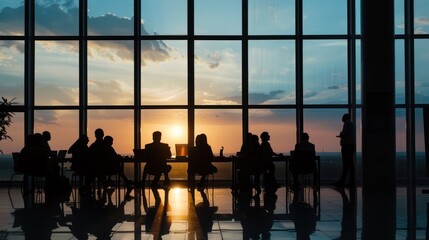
(217, 70)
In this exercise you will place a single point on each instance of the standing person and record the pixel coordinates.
(200, 160)
(267, 153)
(348, 148)
(156, 154)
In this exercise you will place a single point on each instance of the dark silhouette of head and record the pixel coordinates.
(156, 136)
(346, 117)
(108, 140)
(305, 137)
(46, 135)
(99, 133)
(265, 136)
(201, 140)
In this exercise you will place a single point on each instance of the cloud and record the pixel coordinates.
(61, 19)
(49, 94)
(46, 117)
(108, 92)
(259, 98)
(421, 21)
(214, 59)
(309, 94)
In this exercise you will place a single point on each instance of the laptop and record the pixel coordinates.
(181, 150)
(62, 154)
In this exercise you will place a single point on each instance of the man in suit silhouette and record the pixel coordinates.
(156, 155)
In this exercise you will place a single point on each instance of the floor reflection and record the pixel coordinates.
(208, 214)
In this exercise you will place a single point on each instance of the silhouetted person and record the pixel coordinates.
(156, 156)
(200, 160)
(267, 154)
(251, 164)
(97, 152)
(82, 164)
(303, 160)
(114, 166)
(79, 151)
(35, 157)
(348, 148)
(45, 140)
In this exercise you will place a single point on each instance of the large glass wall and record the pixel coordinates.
(220, 67)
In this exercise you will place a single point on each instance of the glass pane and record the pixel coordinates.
(399, 72)
(222, 127)
(420, 144)
(164, 17)
(172, 123)
(164, 72)
(12, 70)
(57, 17)
(110, 72)
(325, 72)
(271, 17)
(280, 124)
(358, 160)
(116, 123)
(399, 17)
(57, 73)
(218, 72)
(401, 144)
(271, 72)
(16, 132)
(358, 13)
(421, 17)
(11, 17)
(358, 72)
(323, 125)
(421, 63)
(110, 17)
(218, 17)
(327, 18)
(62, 124)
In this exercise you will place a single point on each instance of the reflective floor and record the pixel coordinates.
(210, 214)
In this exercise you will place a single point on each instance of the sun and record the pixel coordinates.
(176, 131)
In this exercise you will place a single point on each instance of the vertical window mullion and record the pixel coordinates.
(245, 68)
(299, 89)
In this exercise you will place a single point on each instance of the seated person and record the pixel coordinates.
(200, 160)
(270, 182)
(79, 152)
(113, 163)
(250, 164)
(156, 155)
(80, 161)
(303, 159)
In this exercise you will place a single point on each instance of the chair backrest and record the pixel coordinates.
(305, 161)
(17, 163)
